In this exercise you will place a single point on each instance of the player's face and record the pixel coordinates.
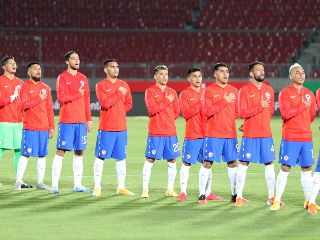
(258, 73)
(161, 77)
(34, 72)
(195, 79)
(10, 66)
(74, 61)
(298, 76)
(112, 70)
(222, 75)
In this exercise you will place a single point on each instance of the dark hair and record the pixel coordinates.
(68, 54)
(219, 64)
(193, 69)
(32, 63)
(5, 59)
(109, 60)
(251, 65)
(159, 67)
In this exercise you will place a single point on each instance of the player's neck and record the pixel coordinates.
(35, 82)
(220, 84)
(161, 86)
(9, 75)
(256, 83)
(197, 89)
(113, 80)
(297, 86)
(73, 72)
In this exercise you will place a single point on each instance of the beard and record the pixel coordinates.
(35, 78)
(259, 79)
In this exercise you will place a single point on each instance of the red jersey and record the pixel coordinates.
(37, 113)
(162, 112)
(191, 109)
(256, 119)
(296, 117)
(9, 111)
(74, 108)
(220, 115)
(114, 105)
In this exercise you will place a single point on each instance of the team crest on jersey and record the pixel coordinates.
(29, 150)
(82, 83)
(103, 152)
(286, 158)
(308, 97)
(153, 152)
(267, 95)
(210, 154)
(63, 143)
(188, 156)
(248, 155)
(43, 91)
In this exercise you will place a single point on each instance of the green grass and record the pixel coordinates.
(32, 214)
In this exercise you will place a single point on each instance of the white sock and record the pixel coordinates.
(22, 166)
(121, 172)
(146, 173)
(209, 183)
(232, 174)
(184, 177)
(315, 187)
(172, 172)
(41, 168)
(203, 179)
(56, 170)
(306, 182)
(77, 170)
(241, 179)
(281, 184)
(270, 179)
(97, 172)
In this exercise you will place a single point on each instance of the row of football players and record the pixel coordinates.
(210, 134)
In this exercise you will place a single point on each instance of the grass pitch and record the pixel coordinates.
(33, 214)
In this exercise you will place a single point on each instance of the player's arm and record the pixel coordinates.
(176, 105)
(189, 110)
(271, 108)
(236, 110)
(105, 99)
(50, 113)
(28, 102)
(287, 110)
(12, 98)
(212, 105)
(154, 107)
(64, 95)
(243, 108)
(128, 99)
(313, 108)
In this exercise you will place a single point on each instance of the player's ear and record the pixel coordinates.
(251, 74)
(105, 70)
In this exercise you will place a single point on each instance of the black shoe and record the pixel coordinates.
(202, 199)
(233, 198)
(25, 185)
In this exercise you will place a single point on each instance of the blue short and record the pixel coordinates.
(111, 145)
(257, 150)
(162, 148)
(296, 153)
(72, 136)
(34, 143)
(192, 151)
(214, 148)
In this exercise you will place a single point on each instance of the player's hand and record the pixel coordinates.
(230, 98)
(123, 90)
(170, 97)
(306, 102)
(43, 96)
(241, 128)
(81, 90)
(16, 90)
(51, 131)
(265, 103)
(89, 126)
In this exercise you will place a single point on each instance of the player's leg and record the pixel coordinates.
(146, 174)
(41, 163)
(16, 157)
(312, 206)
(184, 177)
(171, 151)
(80, 144)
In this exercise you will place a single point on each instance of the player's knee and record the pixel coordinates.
(207, 164)
(78, 153)
(186, 164)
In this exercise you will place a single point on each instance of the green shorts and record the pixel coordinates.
(10, 135)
